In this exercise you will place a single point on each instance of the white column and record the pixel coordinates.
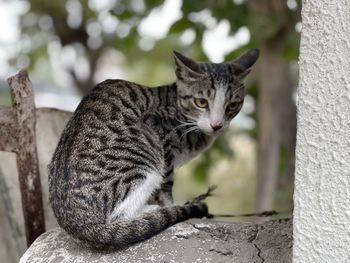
(322, 183)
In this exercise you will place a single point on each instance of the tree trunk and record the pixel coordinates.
(271, 75)
(276, 108)
(288, 123)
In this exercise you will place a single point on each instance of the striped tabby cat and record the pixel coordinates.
(111, 176)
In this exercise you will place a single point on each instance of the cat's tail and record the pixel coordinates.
(123, 233)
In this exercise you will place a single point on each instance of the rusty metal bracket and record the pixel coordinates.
(17, 134)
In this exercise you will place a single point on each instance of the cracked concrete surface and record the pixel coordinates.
(255, 245)
(191, 241)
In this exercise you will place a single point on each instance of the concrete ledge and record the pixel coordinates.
(191, 241)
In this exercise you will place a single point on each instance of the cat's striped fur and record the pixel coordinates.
(111, 176)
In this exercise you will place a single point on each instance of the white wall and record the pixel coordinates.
(322, 193)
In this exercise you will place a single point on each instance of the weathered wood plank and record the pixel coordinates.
(8, 139)
(27, 159)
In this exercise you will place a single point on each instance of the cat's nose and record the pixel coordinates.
(216, 126)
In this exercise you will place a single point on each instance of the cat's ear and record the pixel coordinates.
(242, 65)
(186, 68)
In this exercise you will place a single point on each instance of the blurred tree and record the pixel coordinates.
(80, 24)
(92, 30)
(276, 110)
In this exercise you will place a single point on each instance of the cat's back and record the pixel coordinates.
(106, 119)
(113, 102)
(108, 113)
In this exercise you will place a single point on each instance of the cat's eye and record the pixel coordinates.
(201, 103)
(232, 105)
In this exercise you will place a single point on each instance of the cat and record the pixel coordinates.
(111, 175)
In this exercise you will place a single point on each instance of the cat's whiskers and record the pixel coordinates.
(184, 125)
(195, 128)
(187, 120)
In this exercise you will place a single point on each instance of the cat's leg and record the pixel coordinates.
(160, 198)
(135, 200)
(166, 193)
(166, 188)
(164, 196)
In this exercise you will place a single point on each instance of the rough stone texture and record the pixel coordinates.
(322, 185)
(49, 125)
(192, 241)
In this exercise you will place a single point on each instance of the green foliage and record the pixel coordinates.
(261, 25)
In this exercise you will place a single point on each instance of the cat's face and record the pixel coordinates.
(209, 94)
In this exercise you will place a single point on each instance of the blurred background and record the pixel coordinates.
(68, 46)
